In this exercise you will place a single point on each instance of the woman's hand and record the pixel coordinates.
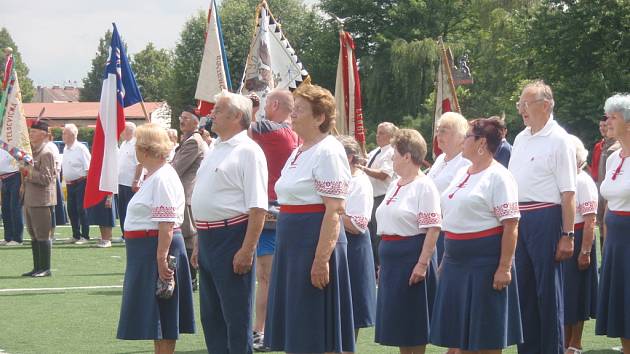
(502, 278)
(584, 261)
(108, 202)
(320, 274)
(419, 273)
(164, 271)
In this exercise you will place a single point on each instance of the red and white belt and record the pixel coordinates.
(207, 225)
(578, 226)
(474, 235)
(393, 237)
(620, 213)
(302, 209)
(145, 233)
(528, 206)
(7, 175)
(75, 181)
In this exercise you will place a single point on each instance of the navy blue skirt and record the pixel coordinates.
(142, 314)
(402, 311)
(468, 313)
(613, 297)
(102, 216)
(300, 317)
(362, 279)
(580, 287)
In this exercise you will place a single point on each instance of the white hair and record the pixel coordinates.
(619, 103)
(581, 154)
(238, 103)
(131, 125)
(72, 128)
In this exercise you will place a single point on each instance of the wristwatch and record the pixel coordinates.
(570, 234)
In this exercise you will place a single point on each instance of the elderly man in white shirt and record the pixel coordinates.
(129, 171)
(229, 203)
(380, 170)
(543, 164)
(75, 165)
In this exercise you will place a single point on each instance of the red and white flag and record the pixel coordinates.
(119, 91)
(446, 96)
(214, 73)
(348, 91)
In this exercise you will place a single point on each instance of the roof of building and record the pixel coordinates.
(82, 110)
(57, 94)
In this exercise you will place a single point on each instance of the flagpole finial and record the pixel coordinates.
(340, 21)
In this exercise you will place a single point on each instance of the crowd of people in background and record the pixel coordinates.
(296, 239)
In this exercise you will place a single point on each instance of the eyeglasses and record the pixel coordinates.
(525, 104)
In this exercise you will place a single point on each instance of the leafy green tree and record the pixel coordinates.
(153, 69)
(26, 84)
(186, 62)
(93, 82)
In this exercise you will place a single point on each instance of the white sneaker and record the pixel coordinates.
(13, 243)
(81, 241)
(3, 243)
(71, 240)
(104, 244)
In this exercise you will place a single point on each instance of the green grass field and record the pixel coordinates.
(49, 316)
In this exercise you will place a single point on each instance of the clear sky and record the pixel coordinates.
(59, 38)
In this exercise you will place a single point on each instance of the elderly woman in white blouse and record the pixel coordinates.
(451, 129)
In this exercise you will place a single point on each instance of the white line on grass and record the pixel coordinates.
(61, 289)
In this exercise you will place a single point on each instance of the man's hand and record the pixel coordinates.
(243, 261)
(194, 257)
(565, 248)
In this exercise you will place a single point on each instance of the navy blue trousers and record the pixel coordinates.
(12, 209)
(124, 196)
(226, 298)
(76, 212)
(60, 217)
(540, 281)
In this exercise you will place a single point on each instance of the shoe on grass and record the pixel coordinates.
(13, 243)
(104, 244)
(81, 241)
(71, 240)
(259, 345)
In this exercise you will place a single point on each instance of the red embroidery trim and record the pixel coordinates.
(618, 169)
(460, 186)
(163, 212)
(360, 221)
(336, 188)
(429, 218)
(506, 209)
(587, 207)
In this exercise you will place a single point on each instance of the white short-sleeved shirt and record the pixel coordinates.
(55, 150)
(360, 201)
(76, 161)
(443, 172)
(127, 162)
(410, 209)
(617, 191)
(160, 199)
(320, 171)
(383, 161)
(231, 179)
(586, 197)
(8, 163)
(543, 164)
(479, 201)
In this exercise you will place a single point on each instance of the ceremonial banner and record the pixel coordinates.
(4, 87)
(119, 91)
(446, 96)
(272, 62)
(14, 136)
(214, 74)
(348, 91)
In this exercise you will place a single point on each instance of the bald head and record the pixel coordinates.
(278, 105)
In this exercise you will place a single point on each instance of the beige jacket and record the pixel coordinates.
(40, 184)
(186, 161)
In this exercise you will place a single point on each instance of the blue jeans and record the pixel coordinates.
(12, 209)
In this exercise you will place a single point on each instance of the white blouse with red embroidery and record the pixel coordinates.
(615, 187)
(410, 209)
(586, 197)
(480, 201)
(320, 171)
(160, 199)
(360, 201)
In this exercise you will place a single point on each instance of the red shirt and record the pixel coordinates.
(597, 154)
(277, 141)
